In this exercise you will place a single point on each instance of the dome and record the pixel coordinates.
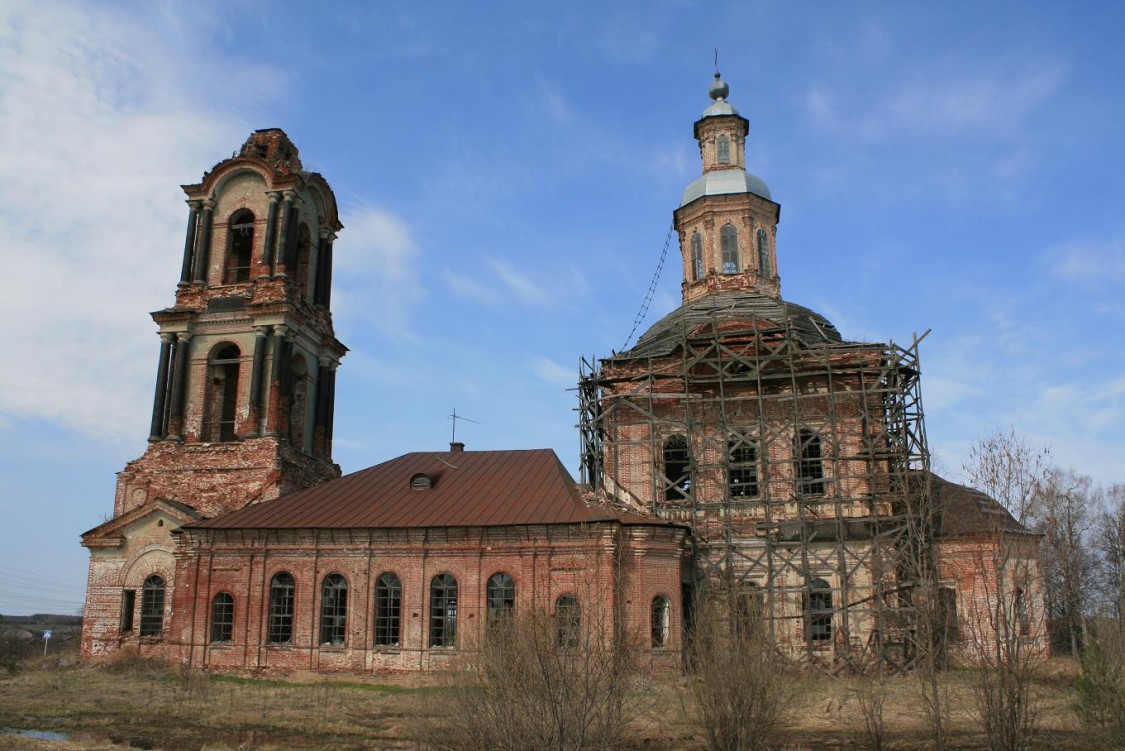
(719, 108)
(725, 182)
(807, 327)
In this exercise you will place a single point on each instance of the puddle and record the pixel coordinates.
(39, 735)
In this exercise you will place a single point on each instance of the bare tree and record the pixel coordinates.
(1109, 543)
(1006, 617)
(1064, 518)
(738, 688)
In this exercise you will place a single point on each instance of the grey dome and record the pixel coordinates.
(725, 182)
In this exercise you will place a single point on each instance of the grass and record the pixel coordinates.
(136, 704)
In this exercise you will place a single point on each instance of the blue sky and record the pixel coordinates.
(506, 173)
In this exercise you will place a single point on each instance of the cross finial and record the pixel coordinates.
(716, 62)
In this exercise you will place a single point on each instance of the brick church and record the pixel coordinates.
(742, 441)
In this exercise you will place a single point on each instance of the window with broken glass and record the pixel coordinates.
(222, 618)
(282, 592)
(388, 609)
(742, 466)
(443, 611)
(152, 606)
(810, 464)
(333, 610)
(500, 598)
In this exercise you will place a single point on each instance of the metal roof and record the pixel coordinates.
(664, 336)
(468, 489)
(722, 182)
(961, 510)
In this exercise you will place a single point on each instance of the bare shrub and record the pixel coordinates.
(738, 687)
(535, 682)
(1101, 684)
(871, 696)
(16, 647)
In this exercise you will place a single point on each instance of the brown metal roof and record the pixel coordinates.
(962, 510)
(469, 488)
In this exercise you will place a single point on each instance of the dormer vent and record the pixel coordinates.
(421, 481)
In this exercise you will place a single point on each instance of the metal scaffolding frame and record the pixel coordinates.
(751, 397)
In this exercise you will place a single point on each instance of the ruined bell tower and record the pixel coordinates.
(245, 379)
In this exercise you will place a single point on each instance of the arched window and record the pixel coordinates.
(729, 238)
(818, 610)
(240, 247)
(282, 592)
(152, 606)
(300, 271)
(568, 621)
(722, 145)
(443, 611)
(222, 395)
(810, 465)
(299, 403)
(388, 610)
(742, 466)
(661, 609)
(677, 469)
(696, 257)
(500, 597)
(763, 254)
(334, 610)
(222, 618)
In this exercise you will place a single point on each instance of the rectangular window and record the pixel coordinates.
(742, 467)
(128, 605)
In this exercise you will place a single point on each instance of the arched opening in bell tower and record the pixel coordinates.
(222, 394)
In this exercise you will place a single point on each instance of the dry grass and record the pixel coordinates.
(145, 705)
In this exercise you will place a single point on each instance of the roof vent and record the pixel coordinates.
(421, 481)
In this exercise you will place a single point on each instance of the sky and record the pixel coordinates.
(506, 173)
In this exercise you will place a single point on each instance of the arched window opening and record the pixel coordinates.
(742, 466)
(763, 254)
(222, 619)
(303, 261)
(818, 611)
(568, 622)
(152, 606)
(661, 607)
(222, 395)
(443, 611)
(240, 247)
(334, 610)
(299, 435)
(722, 145)
(500, 598)
(677, 469)
(696, 257)
(282, 593)
(810, 465)
(729, 239)
(388, 610)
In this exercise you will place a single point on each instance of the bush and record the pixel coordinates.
(1101, 685)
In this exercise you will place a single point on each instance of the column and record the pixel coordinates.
(271, 234)
(203, 249)
(189, 243)
(281, 254)
(256, 379)
(156, 432)
(179, 384)
(331, 411)
(273, 407)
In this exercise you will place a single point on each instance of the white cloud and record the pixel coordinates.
(97, 127)
(1089, 263)
(376, 271)
(521, 285)
(551, 372)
